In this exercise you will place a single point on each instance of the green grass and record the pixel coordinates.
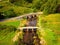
(23, 22)
(50, 37)
(51, 27)
(15, 23)
(51, 21)
(6, 36)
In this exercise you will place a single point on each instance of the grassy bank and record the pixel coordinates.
(8, 31)
(51, 26)
(15, 23)
(6, 38)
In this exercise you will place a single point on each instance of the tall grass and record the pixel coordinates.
(51, 27)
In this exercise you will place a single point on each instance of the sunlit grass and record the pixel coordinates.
(5, 35)
(51, 21)
(23, 22)
(15, 23)
(51, 27)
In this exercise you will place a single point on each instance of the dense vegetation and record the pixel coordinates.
(51, 28)
(6, 34)
(50, 24)
(8, 30)
(11, 8)
(6, 37)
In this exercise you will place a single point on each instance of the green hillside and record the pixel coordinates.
(12, 8)
(51, 26)
(6, 38)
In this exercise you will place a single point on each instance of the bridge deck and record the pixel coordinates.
(28, 27)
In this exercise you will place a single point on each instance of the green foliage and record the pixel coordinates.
(36, 4)
(9, 13)
(10, 25)
(19, 3)
(51, 38)
(19, 7)
(8, 28)
(10, 10)
(6, 37)
(54, 24)
(6, 34)
(22, 10)
(8, 31)
(50, 6)
(50, 28)
(14, 23)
